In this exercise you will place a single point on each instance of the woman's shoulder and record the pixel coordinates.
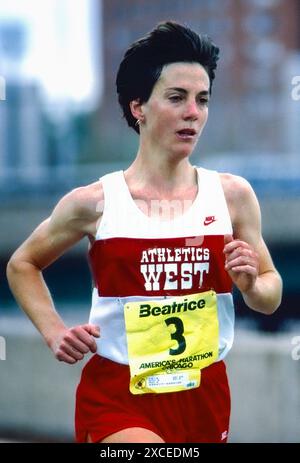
(239, 195)
(84, 202)
(235, 186)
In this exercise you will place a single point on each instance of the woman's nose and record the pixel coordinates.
(191, 110)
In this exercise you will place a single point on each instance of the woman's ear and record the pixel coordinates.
(136, 109)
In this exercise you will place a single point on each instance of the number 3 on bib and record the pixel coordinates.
(178, 335)
(170, 341)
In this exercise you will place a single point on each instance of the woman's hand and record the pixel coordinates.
(71, 344)
(241, 262)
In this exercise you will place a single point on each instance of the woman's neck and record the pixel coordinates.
(161, 174)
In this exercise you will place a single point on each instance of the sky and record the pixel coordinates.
(62, 48)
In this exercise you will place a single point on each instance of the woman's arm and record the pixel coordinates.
(248, 260)
(72, 219)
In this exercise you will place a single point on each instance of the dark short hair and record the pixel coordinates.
(144, 60)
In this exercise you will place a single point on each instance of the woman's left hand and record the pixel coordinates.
(241, 262)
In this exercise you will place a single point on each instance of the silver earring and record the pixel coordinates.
(137, 122)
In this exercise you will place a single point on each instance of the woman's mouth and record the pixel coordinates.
(186, 134)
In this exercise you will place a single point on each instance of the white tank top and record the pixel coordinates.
(127, 238)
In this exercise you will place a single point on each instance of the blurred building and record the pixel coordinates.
(22, 144)
(47, 65)
(259, 42)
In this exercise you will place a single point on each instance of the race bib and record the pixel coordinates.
(170, 341)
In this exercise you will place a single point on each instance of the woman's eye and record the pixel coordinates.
(175, 98)
(203, 101)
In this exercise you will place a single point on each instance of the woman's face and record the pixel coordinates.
(177, 110)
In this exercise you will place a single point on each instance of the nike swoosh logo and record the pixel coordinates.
(209, 220)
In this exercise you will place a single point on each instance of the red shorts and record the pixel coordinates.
(104, 405)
